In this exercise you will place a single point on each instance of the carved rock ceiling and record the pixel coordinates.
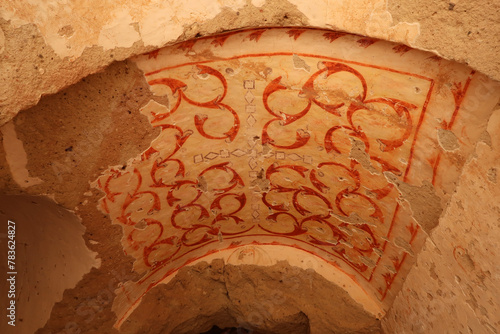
(314, 141)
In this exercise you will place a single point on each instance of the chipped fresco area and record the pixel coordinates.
(454, 286)
(268, 141)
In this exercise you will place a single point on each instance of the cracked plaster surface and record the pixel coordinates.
(454, 286)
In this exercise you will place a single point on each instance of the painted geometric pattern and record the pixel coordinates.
(287, 137)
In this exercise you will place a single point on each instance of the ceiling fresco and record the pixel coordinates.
(336, 145)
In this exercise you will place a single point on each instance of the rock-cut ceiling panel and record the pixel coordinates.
(336, 145)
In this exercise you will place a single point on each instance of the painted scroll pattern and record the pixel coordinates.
(298, 154)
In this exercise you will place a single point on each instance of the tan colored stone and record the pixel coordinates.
(83, 42)
(72, 137)
(274, 299)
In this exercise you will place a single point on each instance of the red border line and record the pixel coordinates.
(452, 121)
(172, 271)
(250, 55)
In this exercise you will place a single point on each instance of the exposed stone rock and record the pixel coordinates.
(276, 299)
(73, 135)
(425, 204)
(80, 43)
(447, 140)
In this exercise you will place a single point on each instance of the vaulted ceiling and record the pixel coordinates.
(292, 144)
(281, 180)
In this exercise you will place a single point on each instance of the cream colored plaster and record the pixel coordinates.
(119, 33)
(16, 157)
(258, 3)
(365, 17)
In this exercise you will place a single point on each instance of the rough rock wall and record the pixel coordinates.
(71, 136)
(280, 299)
(66, 140)
(52, 45)
(51, 257)
(455, 284)
(221, 130)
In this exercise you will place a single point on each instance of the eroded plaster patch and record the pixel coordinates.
(118, 33)
(105, 24)
(425, 204)
(108, 25)
(448, 140)
(16, 157)
(365, 17)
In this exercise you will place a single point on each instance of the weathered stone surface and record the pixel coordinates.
(49, 256)
(455, 284)
(76, 39)
(277, 299)
(71, 136)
